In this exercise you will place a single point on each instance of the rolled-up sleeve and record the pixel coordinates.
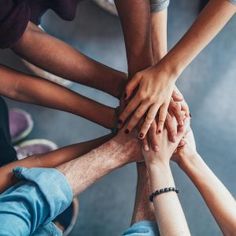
(159, 5)
(14, 17)
(34, 202)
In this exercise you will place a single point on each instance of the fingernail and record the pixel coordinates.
(159, 131)
(126, 131)
(156, 148)
(146, 148)
(125, 95)
(141, 135)
(120, 121)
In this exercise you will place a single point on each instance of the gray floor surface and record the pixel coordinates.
(209, 86)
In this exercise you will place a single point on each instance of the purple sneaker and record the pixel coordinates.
(20, 123)
(34, 147)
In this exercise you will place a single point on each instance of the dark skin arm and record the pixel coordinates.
(61, 59)
(48, 160)
(25, 88)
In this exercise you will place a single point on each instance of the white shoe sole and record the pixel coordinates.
(46, 142)
(30, 123)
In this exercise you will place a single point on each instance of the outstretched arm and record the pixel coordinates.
(25, 88)
(217, 197)
(59, 58)
(166, 204)
(48, 160)
(155, 85)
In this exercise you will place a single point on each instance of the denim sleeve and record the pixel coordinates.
(159, 5)
(34, 202)
(143, 228)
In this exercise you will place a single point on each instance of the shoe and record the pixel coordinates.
(67, 220)
(20, 123)
(34, 147)
(107, 5)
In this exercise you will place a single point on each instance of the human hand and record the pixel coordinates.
(154, 87)
(186, 149)
(166, 148)
(179, 110)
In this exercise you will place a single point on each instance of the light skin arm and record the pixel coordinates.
(166, 205)
(151, 30)
(156, 84)
(159, 34)
(48, 160)
(217, 197)
(25, 88)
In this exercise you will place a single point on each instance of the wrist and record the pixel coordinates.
(158, 165)
(173, 68)
(188, 160)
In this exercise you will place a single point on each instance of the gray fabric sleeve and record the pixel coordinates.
(159, 5)
(232, 1)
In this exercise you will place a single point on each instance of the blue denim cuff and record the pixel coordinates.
(159, 5)
(143, 228)
(53, 186)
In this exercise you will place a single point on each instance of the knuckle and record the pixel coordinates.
(149, 119)
(136, 116)
(142, 95)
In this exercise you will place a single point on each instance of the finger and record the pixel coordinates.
(185, 108)
(132, 85)
(152, 136)
(137, 116)
(182, 130)
(145, 144)
(182, 143)
(130, 108)
(177, 96)
(150, 117)
(171, 128)
(162, 117)
(176, 111)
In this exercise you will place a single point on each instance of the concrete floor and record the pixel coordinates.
(208, 84)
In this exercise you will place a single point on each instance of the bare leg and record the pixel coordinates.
(38, 91)
(62, 60)
(143, 208)
(49, 160)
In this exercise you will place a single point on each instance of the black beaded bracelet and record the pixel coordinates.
(163, 190)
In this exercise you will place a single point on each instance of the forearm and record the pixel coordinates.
(136, 24)
(24, 88)
(219, 200)
(208, 24)
(167, 205)
(159, 35)
(48, 160)
(86, 170)
(62, 60)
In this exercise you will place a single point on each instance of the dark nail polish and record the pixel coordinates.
(141, 135)
(120, 121)
(126, 131)
(125, 95)
(159, 131)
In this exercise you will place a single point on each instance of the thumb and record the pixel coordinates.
(131, 86)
